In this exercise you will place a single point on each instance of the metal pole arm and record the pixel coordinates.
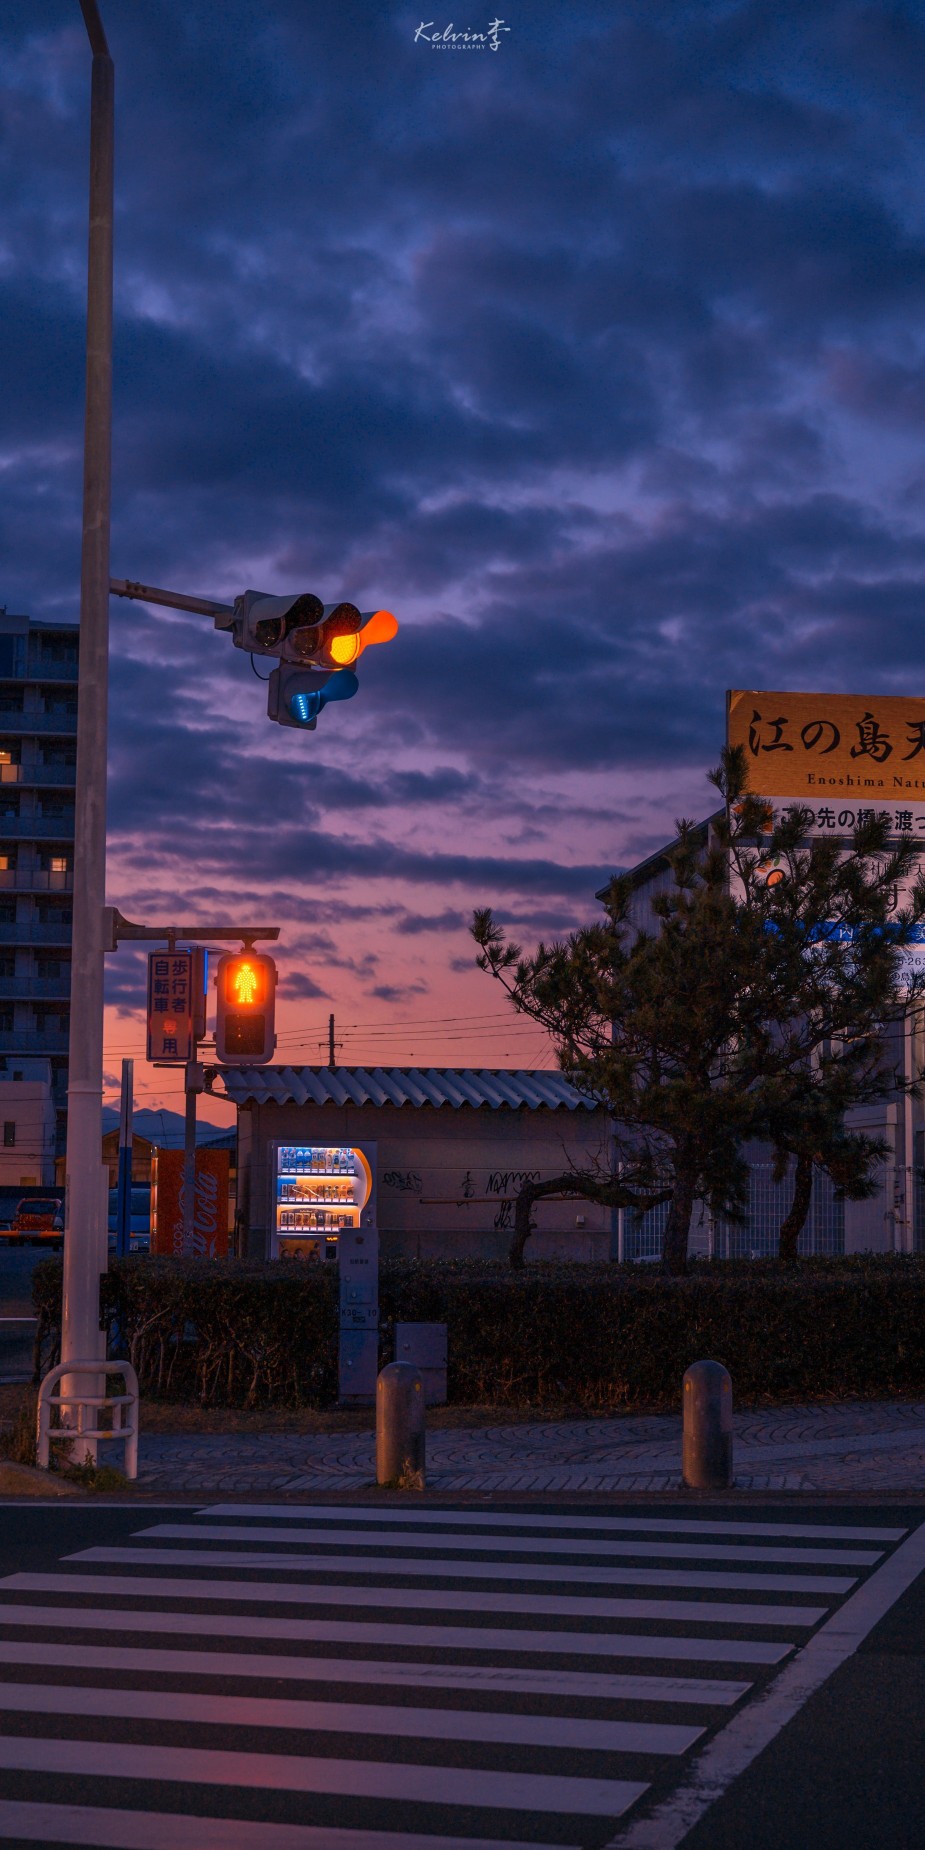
(175, 600)
(117, 928)
(95, 31)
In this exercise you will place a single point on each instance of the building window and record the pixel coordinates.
(9, 1133)
(58, 863)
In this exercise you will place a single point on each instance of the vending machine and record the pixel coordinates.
(321, 1191)
(325, 1210)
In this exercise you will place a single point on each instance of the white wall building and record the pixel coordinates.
(27, 1122)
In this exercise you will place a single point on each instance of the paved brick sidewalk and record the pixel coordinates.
(860, 1449)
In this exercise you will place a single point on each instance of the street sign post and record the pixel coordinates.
(170, 1007)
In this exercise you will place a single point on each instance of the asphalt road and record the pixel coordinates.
(423, 1676)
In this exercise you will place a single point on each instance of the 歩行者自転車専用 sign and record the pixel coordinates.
(170, 1007)
(845, 757)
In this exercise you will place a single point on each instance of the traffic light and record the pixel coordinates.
(295, 696)
(302, 629)
(244, 1030)
(262, 624)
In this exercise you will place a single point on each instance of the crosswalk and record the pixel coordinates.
(280, 1677)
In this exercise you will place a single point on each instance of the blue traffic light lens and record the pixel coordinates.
(305, 707)
(305, 703)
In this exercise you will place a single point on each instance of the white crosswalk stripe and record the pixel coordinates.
(334, 1537)
(188, 1660)
(580, 1575)
(330, 1593)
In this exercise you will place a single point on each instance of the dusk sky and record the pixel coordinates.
(598, 359)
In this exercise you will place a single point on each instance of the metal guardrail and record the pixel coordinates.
(47, 1435)
(42, 988)
(20, 722)
(33, 931)
(31, 772)
(37, 828)
(37, 879)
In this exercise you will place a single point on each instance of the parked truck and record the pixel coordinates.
(38, 1220)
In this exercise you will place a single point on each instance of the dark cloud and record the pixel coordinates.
(597, 359)
(301, 988)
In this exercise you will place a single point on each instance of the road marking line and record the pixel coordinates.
(746, 1736)
(486, 1544)
(427, 1599)
(105, 1829)
(367, 1779)
(267, 1667)
(413, 1637)
(368, 1569)
(661, 1525)
(353, 1718)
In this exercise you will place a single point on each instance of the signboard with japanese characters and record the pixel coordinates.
(170, 1007)
(845, 757)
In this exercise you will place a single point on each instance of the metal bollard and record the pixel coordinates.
(706, 1453)
(400, 1427)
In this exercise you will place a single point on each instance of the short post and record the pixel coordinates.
(400, 1427)
(706, 1454)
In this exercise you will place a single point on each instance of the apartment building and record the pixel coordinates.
(38, 759)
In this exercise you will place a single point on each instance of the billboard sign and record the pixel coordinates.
(170, 1007)
(843, 756)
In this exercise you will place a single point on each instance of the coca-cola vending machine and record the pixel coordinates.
(210, 1216)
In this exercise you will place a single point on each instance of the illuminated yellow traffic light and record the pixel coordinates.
(347, 647)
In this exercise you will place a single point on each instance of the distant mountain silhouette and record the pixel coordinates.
(164, 1128)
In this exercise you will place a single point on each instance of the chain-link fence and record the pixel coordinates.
(757, 1237)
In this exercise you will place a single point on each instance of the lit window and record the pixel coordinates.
(58, 863)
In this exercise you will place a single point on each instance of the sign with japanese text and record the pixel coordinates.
(170, 1007)
(843, 756)
(210, 1210)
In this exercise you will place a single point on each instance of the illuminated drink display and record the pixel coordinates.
(320, 1192)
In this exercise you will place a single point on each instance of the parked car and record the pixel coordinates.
(140, 1217)
(38, 1220)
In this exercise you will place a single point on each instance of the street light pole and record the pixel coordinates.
(85, 1240)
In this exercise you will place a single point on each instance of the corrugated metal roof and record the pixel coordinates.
(401, 1085)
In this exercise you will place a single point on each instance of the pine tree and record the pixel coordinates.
(755, 1008)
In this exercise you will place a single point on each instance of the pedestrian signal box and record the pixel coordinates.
(244, 1019)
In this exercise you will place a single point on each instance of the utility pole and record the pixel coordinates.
(85, 1240)
(331, 1060)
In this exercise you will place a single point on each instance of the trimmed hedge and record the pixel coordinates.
(240, 1334)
